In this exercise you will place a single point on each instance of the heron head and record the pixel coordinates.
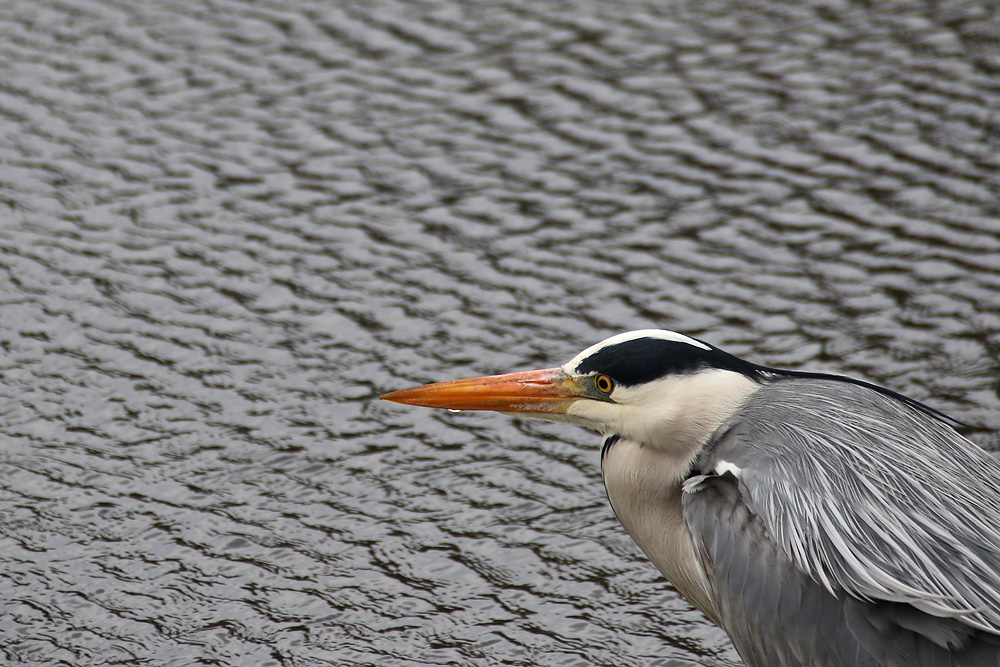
(644, 384)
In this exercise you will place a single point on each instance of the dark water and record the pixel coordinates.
(226, 227)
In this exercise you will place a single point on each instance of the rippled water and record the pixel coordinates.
(228, 226)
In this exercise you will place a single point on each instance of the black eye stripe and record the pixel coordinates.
(609, 442)
(634, 362)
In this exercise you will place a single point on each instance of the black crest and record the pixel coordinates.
(634, 362)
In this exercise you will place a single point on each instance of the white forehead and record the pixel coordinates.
(661, 334)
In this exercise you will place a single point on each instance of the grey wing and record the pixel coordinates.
(868, 528)
(778, 616)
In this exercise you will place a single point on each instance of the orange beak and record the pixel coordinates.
(547, 390)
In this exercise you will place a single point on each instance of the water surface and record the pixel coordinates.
(228, 226)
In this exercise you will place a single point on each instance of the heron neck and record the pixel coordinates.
(677, 415)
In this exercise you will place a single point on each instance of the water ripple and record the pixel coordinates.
(229, 227)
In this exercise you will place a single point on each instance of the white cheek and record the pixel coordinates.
(679, 413)
(637, 418)
(598, 415)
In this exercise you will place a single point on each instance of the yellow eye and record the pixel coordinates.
(604, 384)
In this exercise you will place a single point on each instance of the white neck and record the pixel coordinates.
(651, 513)
(663, 427)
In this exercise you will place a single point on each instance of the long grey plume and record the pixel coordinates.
(778, 373)
(863, 505)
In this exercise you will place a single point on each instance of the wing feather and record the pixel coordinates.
(880, 523)
(779, 616)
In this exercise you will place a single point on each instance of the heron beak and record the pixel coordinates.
(548, 390)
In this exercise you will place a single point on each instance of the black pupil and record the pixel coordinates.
(604, 383)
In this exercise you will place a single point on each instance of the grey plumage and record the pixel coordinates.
(816, 508)
(820, 520)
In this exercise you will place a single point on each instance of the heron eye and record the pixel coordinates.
(604, 384)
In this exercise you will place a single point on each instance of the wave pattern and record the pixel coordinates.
(227, 227)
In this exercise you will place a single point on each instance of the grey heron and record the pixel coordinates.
(818, 519)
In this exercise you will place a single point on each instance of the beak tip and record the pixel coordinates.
(389, 396)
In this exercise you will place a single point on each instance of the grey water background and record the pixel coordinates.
(226, 227)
